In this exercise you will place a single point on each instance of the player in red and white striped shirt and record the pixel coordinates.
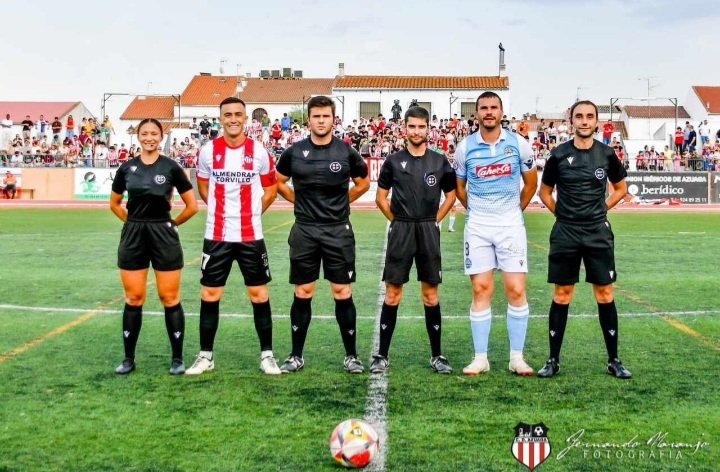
(236, 178)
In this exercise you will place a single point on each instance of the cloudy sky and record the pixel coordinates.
(555, 49)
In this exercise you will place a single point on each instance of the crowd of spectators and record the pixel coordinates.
(42, 143)
(691, 151)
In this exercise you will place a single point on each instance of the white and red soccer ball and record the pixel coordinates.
(354, 443)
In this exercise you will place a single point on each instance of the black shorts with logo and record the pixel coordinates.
(333, 245)
(146, 242)
(413, 240)
(218, 257)
(570, 243)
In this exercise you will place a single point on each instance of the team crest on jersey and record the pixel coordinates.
(133, 168)
(403, 164)
(306, 153)
(248, 159)
(430, 180)
(160, 179)
(600, 173)
(531, 446)
(570, 159)
(218, 157)
(529, 162)
(335, 166)
(509, 151)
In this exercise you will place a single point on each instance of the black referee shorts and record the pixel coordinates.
(333, 245)
(146, 242)
(413, 240)
(218, 257)
(593, 244)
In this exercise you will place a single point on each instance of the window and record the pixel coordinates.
(369, 109)
(467, 109)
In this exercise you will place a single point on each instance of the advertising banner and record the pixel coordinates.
(687, 187)
(715, 187)
(93, 184)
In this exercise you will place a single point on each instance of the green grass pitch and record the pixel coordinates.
(63, 409)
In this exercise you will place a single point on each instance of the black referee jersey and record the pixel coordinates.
(580, 176)
(417, 183)
(321, 178)
(150, 187)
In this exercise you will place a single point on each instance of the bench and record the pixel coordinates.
(20, 192)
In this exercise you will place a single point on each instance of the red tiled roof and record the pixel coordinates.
(18, 110)
(284, 90)
(161, 108)
(204, 90)
(709, 97)
(208, 90)
(421, 82)
(664, 112)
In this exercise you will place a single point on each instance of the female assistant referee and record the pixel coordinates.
(150, 235)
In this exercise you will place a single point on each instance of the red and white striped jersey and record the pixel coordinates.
(236, 179)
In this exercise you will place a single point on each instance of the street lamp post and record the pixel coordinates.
(453, 98)
(131, 132)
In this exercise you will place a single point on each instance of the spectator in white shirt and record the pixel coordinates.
(704, 132)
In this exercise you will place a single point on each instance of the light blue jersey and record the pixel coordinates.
(493, 173)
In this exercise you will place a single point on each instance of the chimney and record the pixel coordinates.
(341, 69)
(502, 72)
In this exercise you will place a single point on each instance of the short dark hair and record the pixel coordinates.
(230, 100)
(418, 112)
(488, 95)
(321, 101)
(583, 102)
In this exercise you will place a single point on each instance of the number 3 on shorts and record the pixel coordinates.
(205, 259)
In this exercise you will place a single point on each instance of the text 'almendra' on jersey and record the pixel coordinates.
(236, 177)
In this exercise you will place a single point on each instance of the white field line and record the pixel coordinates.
(376, 403)
(332, 317)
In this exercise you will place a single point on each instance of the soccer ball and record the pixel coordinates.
(354, 443)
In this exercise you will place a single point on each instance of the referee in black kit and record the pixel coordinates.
(417, 177)
(150, 236)
(321, 168)
(579, 169)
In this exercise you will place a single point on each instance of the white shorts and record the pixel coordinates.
(495, 247)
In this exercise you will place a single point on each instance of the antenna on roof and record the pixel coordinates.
(222, 66)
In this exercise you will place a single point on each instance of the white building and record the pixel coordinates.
(703, 103)
(368, 96)
(354, 96)
(651, 126)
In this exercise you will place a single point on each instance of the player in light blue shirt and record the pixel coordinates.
(496, 179)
